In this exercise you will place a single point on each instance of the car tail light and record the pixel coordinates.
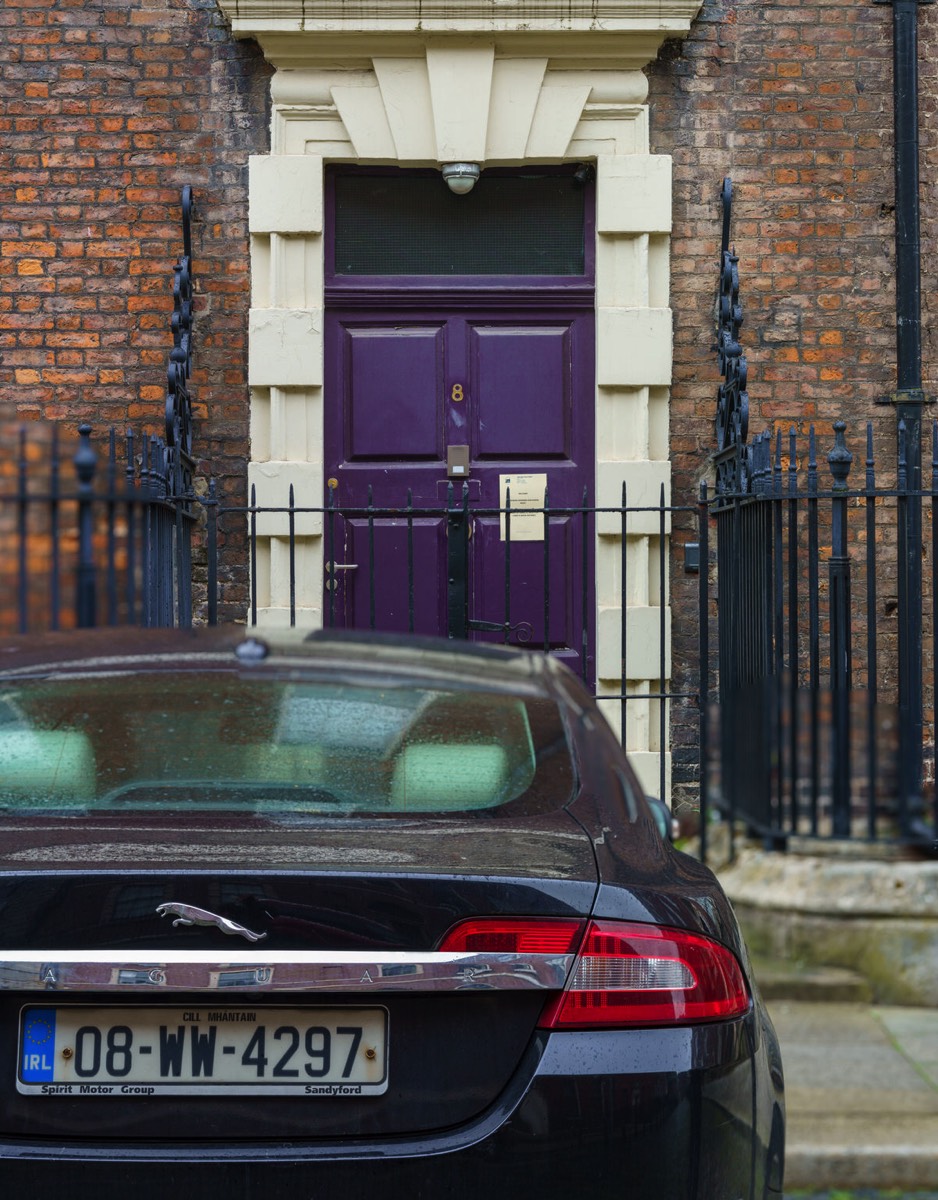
(521, 936)
(624, 975)
(628, 975)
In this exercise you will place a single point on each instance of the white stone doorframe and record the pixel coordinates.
(497, 97)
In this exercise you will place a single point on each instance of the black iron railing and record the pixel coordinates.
(818, 733)
(824, 611)
(520, 607)
(80, 547)
(92, 536)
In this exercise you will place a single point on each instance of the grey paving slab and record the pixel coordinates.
(844, 1047)
(861, 1097)
(915, 1031)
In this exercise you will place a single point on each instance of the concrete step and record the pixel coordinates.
(802, 981)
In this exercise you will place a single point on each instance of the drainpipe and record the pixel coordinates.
(908, 400)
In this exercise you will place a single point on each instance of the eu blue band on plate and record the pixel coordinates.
(37, 1061)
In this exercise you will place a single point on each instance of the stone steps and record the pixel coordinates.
(814, 984)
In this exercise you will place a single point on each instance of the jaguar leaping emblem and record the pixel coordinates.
(187, 914)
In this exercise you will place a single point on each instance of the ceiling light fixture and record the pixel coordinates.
(461, 177)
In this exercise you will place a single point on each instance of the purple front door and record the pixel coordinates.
(510, 391)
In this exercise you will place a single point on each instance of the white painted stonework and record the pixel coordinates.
(501, 83)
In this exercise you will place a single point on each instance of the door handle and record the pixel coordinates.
(332, 583)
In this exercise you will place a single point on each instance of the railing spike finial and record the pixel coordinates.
(840, 458)
(178, 417)
(726, 199)
(85, 456)
(733, 463)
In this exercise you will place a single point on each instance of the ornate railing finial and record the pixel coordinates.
(732, 419)
(178, 403)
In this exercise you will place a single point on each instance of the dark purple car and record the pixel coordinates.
(355, 917)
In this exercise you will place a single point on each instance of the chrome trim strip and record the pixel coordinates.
(353, 972)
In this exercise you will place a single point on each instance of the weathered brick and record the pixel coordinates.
(108, 110)
(803, 119)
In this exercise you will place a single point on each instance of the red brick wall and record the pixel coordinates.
(793, 100)
(106, 109)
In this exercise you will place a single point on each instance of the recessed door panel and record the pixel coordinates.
(542, 581)
(388, 574)
(521, 381)
(392, 384)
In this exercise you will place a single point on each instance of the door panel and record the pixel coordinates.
(391, 391)
(517, 389)
(522, 389)
(533, 575)
(392, 547)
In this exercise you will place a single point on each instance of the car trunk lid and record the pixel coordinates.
(348, 918)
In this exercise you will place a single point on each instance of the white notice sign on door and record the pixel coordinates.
(527, 506)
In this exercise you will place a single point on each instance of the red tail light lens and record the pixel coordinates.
(521, 936)
(628, 975)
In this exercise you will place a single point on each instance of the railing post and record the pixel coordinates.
(793, 627)
(410, 560)
(457, 574)
(703, 635)
(371, 558)
(909, 538)
(85, 460)
(253, 537)
(211, 524)
(839, 461)
(55, 546)
(814, 627)
(872, 676)
(330, 550)
(22, 533)
(909, 400)
(291, 523)
(934, 587)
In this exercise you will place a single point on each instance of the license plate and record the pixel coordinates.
(81, 1051)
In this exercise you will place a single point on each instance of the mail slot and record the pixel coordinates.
(457, 462)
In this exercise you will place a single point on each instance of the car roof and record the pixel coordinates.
(237, 647)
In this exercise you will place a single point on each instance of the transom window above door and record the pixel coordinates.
(408, 223)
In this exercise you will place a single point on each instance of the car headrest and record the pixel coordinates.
(430, 777)
(43, 766)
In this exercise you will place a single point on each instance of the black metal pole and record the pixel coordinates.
(211, 510)
(909, 398)
(839, 461)
(703, 633)
(908, 248)
(85, 461)
(22, 539)
(457, 545)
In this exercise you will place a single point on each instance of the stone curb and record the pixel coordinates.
(878, 918)
(817, 1167)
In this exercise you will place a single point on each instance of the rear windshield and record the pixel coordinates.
(207, 741)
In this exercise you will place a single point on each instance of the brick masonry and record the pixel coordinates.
(793, 100)
(107, 109)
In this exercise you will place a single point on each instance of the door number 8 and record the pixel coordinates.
(457, 392)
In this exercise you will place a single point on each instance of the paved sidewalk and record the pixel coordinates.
(862, 1095)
